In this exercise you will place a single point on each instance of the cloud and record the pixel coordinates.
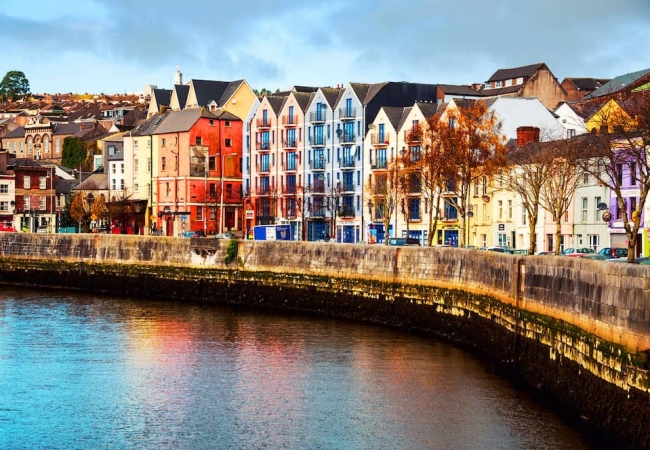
(281, 43)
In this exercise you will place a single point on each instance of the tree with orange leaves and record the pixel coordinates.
(468, 139)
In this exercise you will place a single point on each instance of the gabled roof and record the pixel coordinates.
(162, 96)
(405, 112)
(277, 101)
(182, 91)
(208, 91)
(618, 83)
(15, 133)
(516, 72)
(331, 95)
(182, 121)
(360, 90)
(26, 163)
(588, 84)
(305, 89)
(428, 109)
(394, 114)
(503, 90)
(302, 98)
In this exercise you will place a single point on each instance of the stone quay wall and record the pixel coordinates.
(576, 329)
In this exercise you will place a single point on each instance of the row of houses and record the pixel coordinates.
(214, 156)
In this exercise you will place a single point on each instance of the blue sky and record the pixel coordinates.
(116, 46)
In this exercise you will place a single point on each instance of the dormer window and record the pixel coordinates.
(498, 84)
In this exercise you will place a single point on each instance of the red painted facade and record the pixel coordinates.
(187, 197)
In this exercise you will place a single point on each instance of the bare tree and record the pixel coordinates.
(527, 173)
(618, 157)
(385, 189)
(471, 143)
(333, 205)
(558, 190)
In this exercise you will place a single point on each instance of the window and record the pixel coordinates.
(42, 203)
(135, 167)
(549, 243)
(509, 209)
(476, 187)
(113, 184)
(500, 209)
(228, 124)
(167, 190)
(484, 186)
(47, 146)
(28, 203)
(199, 211)
(163, 142)
(135, 144)
(111, 150)
(633, 174)
(58, 145)
(163, 163)
(4, 188)
(585, 203)
(594, 242)
(211, 122)
(136, 188)
(570, 132)
(199, 140)
(414, 208)
(121, 167)
(499, 84)
(27, 182)
(42, 183)
(502, 239)
(619, 174)
(585, 178)
(597, 215)
(524, 216)
(148, 165)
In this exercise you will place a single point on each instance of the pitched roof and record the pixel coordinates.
(162, 96)
(405, 112)
(331, 95)
(516, 72)
(361, 91)
(302, 98)
(394, 114)
(428, 109)
(15, 133)
(618, 83)
(182, 91)
(453, 89)
(306, 89)
(277, 101)
(207, 91)
(151, 125)
(588, 84)
(181, 121)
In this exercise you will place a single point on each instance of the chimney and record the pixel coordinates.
(526, 135)
(3, 162)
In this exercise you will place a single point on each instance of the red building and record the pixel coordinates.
(198, 176)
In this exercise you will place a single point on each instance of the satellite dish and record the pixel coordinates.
(602, 205)
(339, 132)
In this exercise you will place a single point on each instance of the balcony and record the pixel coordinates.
(346, 213)
(378, 165)
(347, 113)
(318, 116)
(347, 162)
(263, 123)
(262, 168)
(318, 187)
(412, 136)
(317, 164)
(290, 121)
(347, 138)
(347, 187)
(263, 190)
(290, 144)
(317, 141)
(263, 146)
(318, 212)
(379, 140)
(290, 190)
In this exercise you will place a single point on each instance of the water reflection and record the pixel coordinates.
(79, 371)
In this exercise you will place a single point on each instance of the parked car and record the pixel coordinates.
(6, 227)
(546, 253)
(596, 256)
(613, 252)
(520, 251)
(501, 249)
(193, 234)
(403, 241)
(640, 260)
(579, 252)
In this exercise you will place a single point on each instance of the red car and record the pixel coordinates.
(7, 227)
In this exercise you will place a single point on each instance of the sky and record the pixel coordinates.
(118, 46)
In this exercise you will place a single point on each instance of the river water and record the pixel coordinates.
(88, 372)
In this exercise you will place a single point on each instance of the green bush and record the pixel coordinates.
(231, 251)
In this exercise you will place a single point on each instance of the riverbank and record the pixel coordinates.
(528, 315)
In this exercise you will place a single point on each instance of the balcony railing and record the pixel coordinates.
(346, 212)
(290, 120)
(318, 116)
(290, 190)
(318, 188)
(262, 123)
(262, 168)
(347, 113)
(347, 162)
(347, 138)
(263, 146)
(317, 164)
(380, 164)
(347, 187)
(263, 190)
(290, 143)
(378, 140)
(411, 136)
(317, 141)
(318, 212)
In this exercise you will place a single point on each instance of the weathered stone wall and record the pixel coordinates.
(578, 329)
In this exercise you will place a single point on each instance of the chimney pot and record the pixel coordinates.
(526, 135)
